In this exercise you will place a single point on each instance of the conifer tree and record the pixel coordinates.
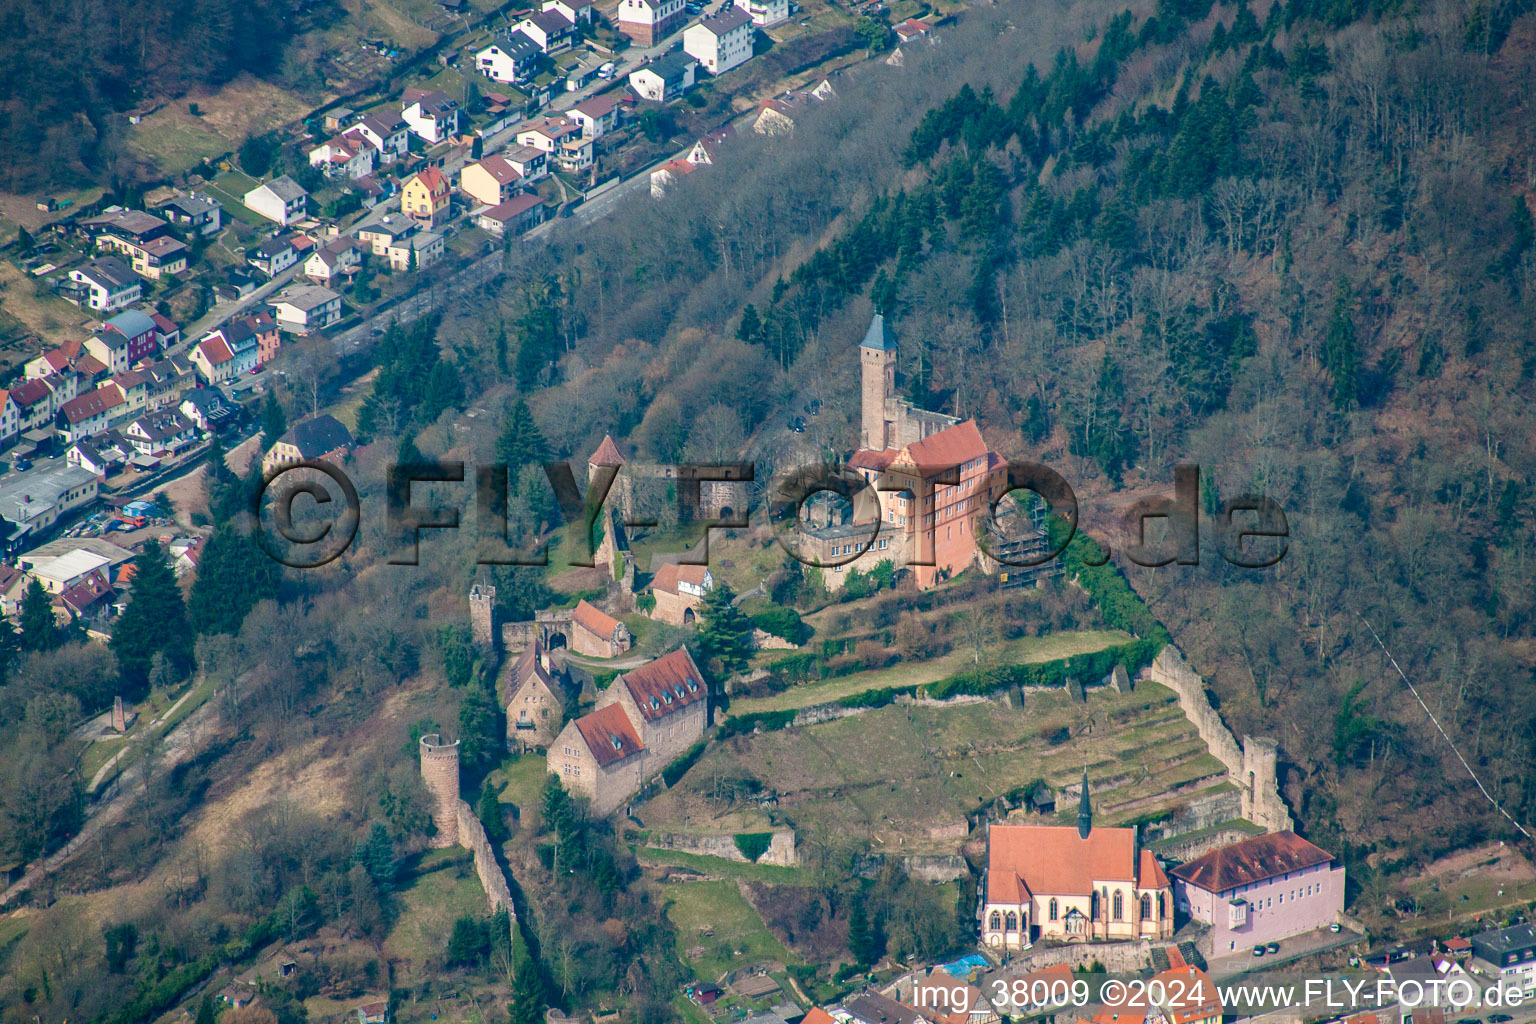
(1339, 354)
(232, 575)
(155, 622)
(10, 648)
(520, 443)
(39, 629)
(726, 636)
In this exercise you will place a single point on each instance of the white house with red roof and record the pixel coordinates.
(1261, 890)
(350, 155)
(89, 413)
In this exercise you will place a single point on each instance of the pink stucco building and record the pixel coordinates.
(1260, 890)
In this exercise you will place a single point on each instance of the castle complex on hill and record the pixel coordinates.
(937, 481)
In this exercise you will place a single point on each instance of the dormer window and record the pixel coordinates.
(618, 744)
(667, 697)
(679, 692)
(655, 703)
(692, 686)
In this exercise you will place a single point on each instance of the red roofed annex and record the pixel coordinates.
(643, 721)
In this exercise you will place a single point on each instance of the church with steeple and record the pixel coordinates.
(1072, 884)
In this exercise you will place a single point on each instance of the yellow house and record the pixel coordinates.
(424, 198)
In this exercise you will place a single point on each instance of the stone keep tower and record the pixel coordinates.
(440, 772)
(482, 614)
(877, 362)
(1260, 785)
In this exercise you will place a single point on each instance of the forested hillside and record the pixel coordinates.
(64, 68)
(1290, 242)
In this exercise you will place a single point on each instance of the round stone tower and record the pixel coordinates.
(440, 772)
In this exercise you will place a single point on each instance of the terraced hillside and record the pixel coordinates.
(904, 774)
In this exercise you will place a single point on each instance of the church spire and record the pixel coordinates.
(1084, 809)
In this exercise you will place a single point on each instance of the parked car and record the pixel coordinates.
(1273, 947)
(21, 465)
(1258, 950)
(1334, 926)
(1499, 1018)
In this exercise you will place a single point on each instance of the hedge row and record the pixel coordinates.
(1121, 607)
(1135, 656)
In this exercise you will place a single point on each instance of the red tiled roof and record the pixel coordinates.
(1252, 860)
(868, 458)
(609, 735)
(498, 168)
(216, 350)
(669, 576)
(952, 446)
(668, 684)
(87, 592)
(30, 392)
(513, 207)
(595, 619)
(818, 1016)
(92, 403)
(90, 365)
(1054, 859)
(434, 180)
(598, 106)
(607, 454)
(1190, 995)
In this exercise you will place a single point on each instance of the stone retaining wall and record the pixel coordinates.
(781, 848)
(473, 838)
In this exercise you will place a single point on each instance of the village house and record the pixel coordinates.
(86, 414)
(208, 408)
(679, 591)
(333, 261)
(426, 247)
(765, 13)
(105, 284)
(10, 417)
(166, 332)
(197, 214)
(575, 153)
(133, 387)
(161, 433)
(597, 115)
(1072, 884)
(536, 701)
(1507, 955)
(912, 30)
(320, 438)
(664, 78)
(88, 602)
(431, 116)
(347, 156)
(128, 337)
(425, 197)
(668, 174)
(102, 454)
(531, 163)
(387, 134)
(597, 634)
(552, 31)
(274, 255)
(579, 12)
(644, 720)
(37, 400)
(306, 309)
(547, 133)
(1260, 890)
(119, 230)
(157, 258)
(707, 149)
(515, 216)
(281, 200)
(228, 351)
(490, 182)
(165, 380)
(510, 57)
(722, 42)
(945, 999)
(648, 22)
(380, 237)
(777, 116)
